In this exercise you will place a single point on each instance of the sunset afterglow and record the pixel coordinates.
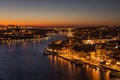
(58, 12)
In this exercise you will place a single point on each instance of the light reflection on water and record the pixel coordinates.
(73, 72)
(24, 61)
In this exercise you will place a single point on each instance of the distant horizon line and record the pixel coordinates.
(59, 25)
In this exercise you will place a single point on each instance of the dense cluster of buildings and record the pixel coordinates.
(107, 38)
(99, 45)
(22, 32)
(12, 32)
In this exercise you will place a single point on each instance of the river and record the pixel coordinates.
(25, 61)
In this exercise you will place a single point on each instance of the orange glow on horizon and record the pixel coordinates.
(56, 23)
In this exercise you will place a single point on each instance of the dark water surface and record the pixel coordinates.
(25, 61)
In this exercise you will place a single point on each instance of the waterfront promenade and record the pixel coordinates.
(80, 60)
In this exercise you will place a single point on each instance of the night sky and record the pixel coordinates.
(54, 12)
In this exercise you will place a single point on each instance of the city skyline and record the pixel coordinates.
(59, 12)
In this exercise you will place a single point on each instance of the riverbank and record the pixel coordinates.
(72, 60)
(83, 61)
(76, 60)
(80, 61)
(23, 40)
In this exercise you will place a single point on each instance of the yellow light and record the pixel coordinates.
(118, 63)
(107, 63)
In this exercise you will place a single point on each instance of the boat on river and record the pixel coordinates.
(115, 74)
(47, 51)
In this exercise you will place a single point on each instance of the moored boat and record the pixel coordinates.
(46, 52)
(115, 74)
